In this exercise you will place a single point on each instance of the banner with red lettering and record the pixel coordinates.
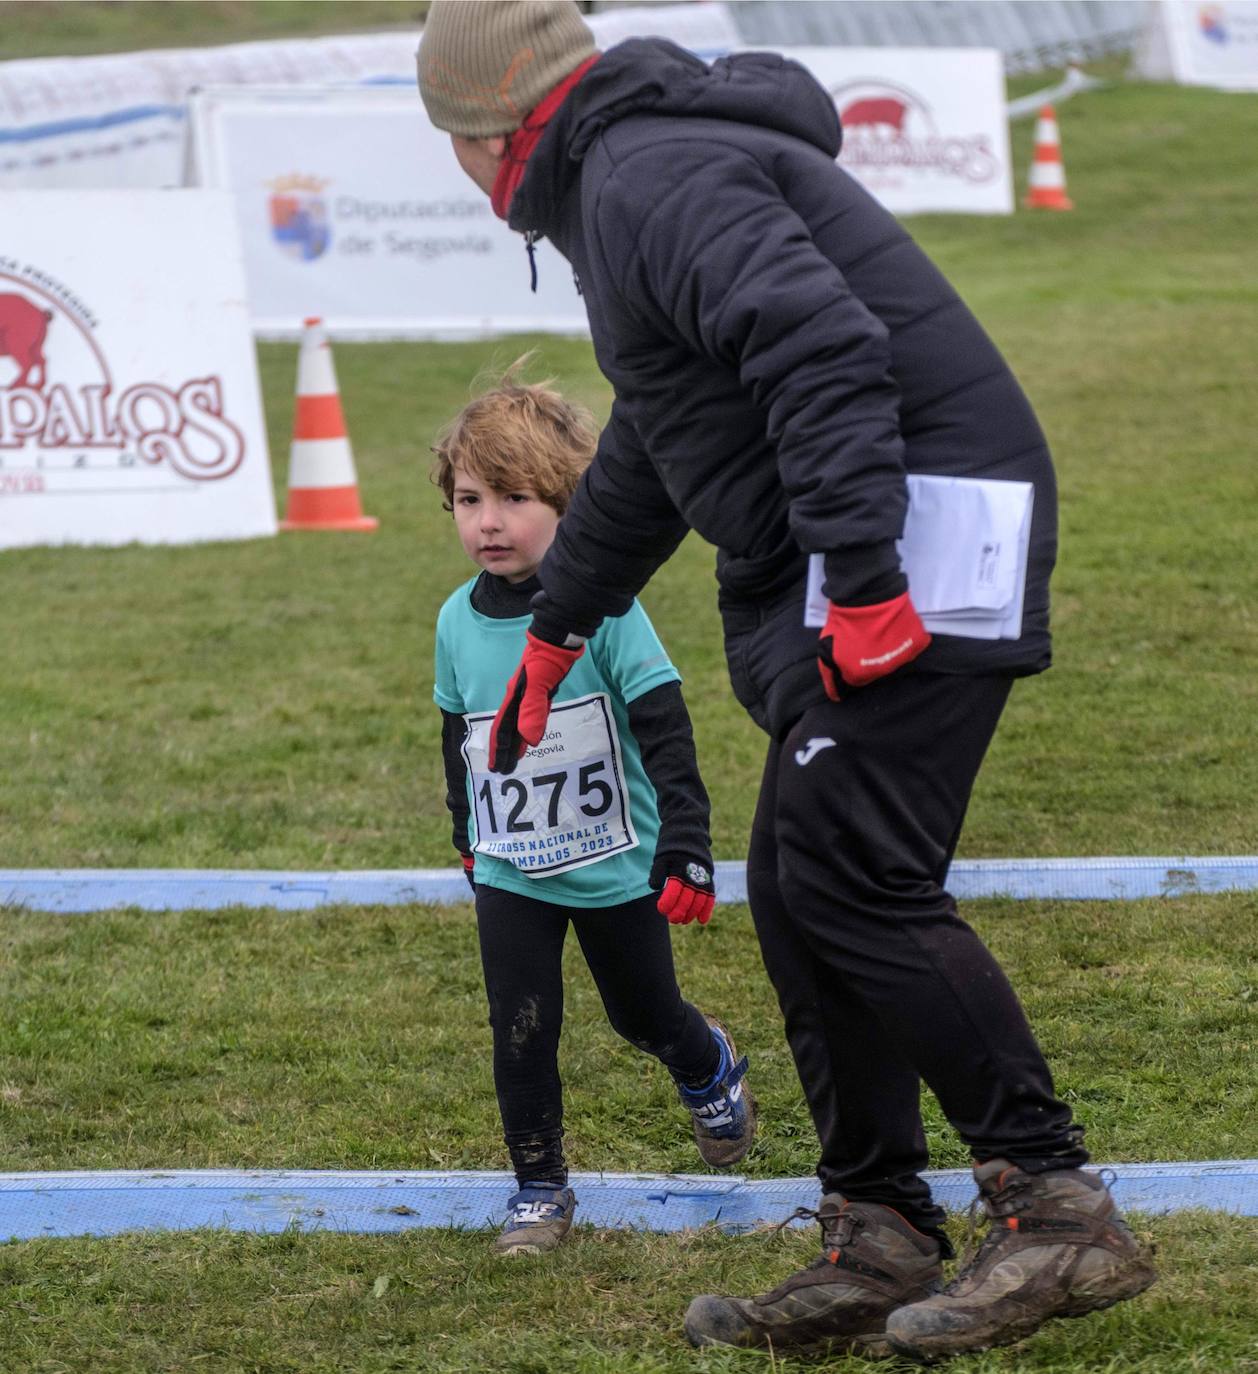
(924, 129)
(130, 408)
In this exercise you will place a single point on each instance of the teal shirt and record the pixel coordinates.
(555, 817)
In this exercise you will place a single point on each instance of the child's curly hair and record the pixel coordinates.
(518, 435)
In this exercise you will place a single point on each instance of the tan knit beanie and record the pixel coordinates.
(485, 64)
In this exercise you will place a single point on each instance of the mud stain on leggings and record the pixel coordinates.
(526, 1023)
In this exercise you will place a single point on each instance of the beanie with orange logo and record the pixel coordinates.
(485, 64)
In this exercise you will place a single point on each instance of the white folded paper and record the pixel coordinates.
(964, 552)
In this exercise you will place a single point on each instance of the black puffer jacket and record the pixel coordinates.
(781, 353)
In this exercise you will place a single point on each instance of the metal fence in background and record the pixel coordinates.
(1032, 34)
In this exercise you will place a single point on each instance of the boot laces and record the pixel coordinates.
(799, 1214)
(1003, 1202)
(1000, 1204)
(837, 1228)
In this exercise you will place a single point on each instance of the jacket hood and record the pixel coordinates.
(654, 76)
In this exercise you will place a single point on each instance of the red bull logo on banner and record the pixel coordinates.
(889, 130)
(299, 216)
(69, 411)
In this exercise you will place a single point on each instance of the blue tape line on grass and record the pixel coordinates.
(73, 891)
(102, 1204)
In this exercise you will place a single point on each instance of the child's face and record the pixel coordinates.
(506, 533)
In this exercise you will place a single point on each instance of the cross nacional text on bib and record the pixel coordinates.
(566, 804)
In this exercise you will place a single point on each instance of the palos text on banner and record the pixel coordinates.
(129, 401)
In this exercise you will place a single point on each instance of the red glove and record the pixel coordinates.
(860, 644)
(469, 869)
(689, 893)
(521, 719)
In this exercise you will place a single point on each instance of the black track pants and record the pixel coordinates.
(881, 983)
(628, 951)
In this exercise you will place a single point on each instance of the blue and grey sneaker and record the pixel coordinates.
(539, 1217)
(723, 1110)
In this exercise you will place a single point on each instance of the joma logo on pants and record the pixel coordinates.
(805, 756)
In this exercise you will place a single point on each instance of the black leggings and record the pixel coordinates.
(628, 951)
(881, 982)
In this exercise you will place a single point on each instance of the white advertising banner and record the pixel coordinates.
(707, 29)
(924, 129)
(351, 206)
(1202, 44)
(120, 119)
(129, 400)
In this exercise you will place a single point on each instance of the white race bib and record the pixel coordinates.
(566, 805)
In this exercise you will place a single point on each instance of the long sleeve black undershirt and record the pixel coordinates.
(453, 732)
(660, 724)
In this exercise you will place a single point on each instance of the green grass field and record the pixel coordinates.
(268, 704)
(68, 28)
(356, 1039)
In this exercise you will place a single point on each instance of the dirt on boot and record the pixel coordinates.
(724, 1111)
(539, 1216)
(1057, 1247)
(872, 1262)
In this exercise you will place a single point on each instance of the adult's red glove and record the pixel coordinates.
(689, 893)
(860, 644)
(469, 869)
(521, 719)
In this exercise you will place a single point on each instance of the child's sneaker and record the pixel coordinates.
(723, 1110)
(540, 1216)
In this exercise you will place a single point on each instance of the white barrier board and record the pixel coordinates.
(352, 206)
(129, 401)
(1201, 44)
(924, 129)
(707, 29)
(119, 120)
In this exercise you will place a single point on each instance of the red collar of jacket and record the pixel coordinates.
(521, 143)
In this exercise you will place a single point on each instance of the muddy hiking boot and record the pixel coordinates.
(1056, 1248)
(872, 1261)
(538, 1218)
(723, 1110)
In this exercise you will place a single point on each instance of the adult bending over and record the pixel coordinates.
(782, 355)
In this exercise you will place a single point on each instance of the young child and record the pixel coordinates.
(603, 825)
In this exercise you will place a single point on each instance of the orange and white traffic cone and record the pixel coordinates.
(1047, 189)
(322, 486)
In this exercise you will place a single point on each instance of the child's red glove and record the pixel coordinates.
(469, 869)
(689, 893)
(521, 719)
(860, 644)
